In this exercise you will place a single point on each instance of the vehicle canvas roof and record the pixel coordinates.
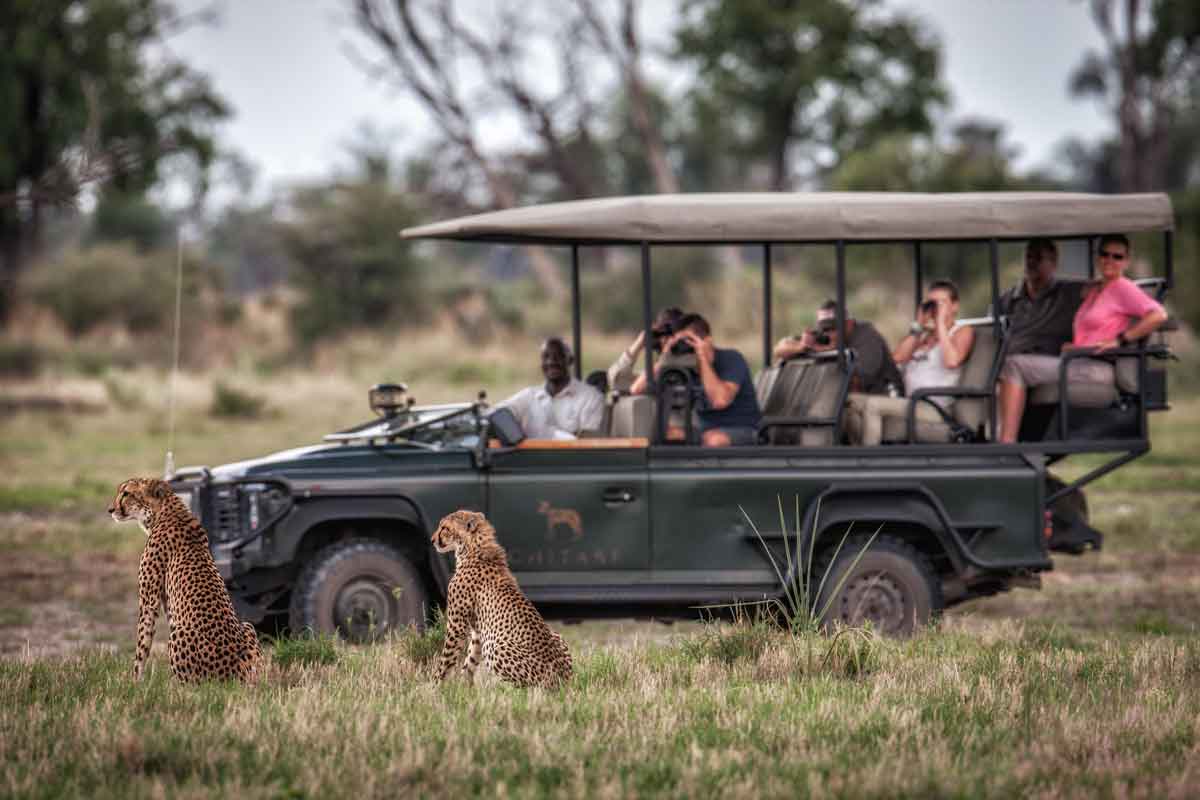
(761, 217)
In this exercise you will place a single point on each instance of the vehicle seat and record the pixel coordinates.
(972, 413)
(1092, 394)
(633, 415)
(813, 387)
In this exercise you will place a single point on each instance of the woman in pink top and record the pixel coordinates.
(1114, 313)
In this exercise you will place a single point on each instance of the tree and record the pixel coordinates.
(563, 71)
(84, 103)
(812, 78)
(1149, 80)
(352, 268)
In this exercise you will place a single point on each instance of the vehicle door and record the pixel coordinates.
(700, 535)
(566, 511)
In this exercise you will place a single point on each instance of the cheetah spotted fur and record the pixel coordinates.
(177, 573)
(489, 616)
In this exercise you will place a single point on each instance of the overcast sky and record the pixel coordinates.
(298, 99)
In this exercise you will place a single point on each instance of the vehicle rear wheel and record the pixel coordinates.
(893, 586)
(360, 589)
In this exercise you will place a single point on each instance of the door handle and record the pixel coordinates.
(619, 494)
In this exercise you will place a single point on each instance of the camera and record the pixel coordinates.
(682, 348)
(821, 333)
(929, 307)
(660, 334)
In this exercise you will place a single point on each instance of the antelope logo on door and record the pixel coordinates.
(555, 517)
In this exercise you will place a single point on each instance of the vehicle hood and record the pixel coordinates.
(342, 461)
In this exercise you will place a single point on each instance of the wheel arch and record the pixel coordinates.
(908, 513)
(396, 521)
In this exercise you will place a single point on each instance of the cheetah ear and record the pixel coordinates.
(157, 489)
(473, 520)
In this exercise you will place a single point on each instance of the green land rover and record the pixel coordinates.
(626, 523)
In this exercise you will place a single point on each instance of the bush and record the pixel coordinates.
(745, 640)
(20, 359)
(107, 283)
(422, 647)
(231, 402)
(306, 650)
(116, 284)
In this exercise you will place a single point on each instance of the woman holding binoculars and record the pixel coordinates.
(931, 355)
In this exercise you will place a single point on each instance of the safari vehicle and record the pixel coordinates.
(336, 535)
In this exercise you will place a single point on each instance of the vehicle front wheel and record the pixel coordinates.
(893, 586)
(360, 589)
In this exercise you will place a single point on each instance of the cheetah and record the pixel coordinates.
(177, 572)
(485, 603)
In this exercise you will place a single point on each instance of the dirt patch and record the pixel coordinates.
(65, 603)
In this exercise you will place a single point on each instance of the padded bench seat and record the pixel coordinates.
(1090, 394)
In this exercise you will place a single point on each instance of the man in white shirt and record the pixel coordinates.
(564, 406)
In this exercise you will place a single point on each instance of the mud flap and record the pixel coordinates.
(1071, 534)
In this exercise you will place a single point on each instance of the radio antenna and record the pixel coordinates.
(169, 466)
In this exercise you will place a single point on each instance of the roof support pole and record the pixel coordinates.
(766, 300)
(841, 301)
(647, 321)
(576, 313)
(1091, 258)
(1168, 261)
(994, 259)
(918, 278)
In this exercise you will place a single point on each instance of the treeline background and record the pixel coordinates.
(769, 95)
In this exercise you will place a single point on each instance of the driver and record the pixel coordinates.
(564, 406)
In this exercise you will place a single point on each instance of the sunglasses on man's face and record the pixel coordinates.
(1111, 256)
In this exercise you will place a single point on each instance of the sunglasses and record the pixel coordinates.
(1109, 254)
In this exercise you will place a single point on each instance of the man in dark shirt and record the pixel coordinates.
(728, 413)
(874, 367)
(1040, 309)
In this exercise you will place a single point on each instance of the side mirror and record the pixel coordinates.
(505, 427)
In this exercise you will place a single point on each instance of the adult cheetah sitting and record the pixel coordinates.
(484, 601)
(177, 572)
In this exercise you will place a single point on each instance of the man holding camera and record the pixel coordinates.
(875, 370)
(728, 412)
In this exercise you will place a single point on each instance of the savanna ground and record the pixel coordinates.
(1088, 687)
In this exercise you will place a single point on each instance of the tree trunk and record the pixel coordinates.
(665, 181)
(1129, 168)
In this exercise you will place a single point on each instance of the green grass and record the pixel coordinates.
(1012, 710)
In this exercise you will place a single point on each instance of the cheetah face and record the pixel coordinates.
(137, 499)
(455, 530)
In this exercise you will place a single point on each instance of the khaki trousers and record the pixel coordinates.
(865, 414)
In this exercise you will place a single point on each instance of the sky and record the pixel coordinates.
(298, 98)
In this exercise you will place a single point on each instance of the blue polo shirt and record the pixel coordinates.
(743, 412)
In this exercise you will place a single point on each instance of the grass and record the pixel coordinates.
(1008, 710)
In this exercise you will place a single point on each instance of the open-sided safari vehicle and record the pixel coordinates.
(624, 523)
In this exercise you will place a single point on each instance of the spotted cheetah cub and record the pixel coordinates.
(484, 601)
(177, 572)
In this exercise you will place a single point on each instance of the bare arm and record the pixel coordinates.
(904, 350)
(1147, 324)
(956, 346)
(720, 393)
